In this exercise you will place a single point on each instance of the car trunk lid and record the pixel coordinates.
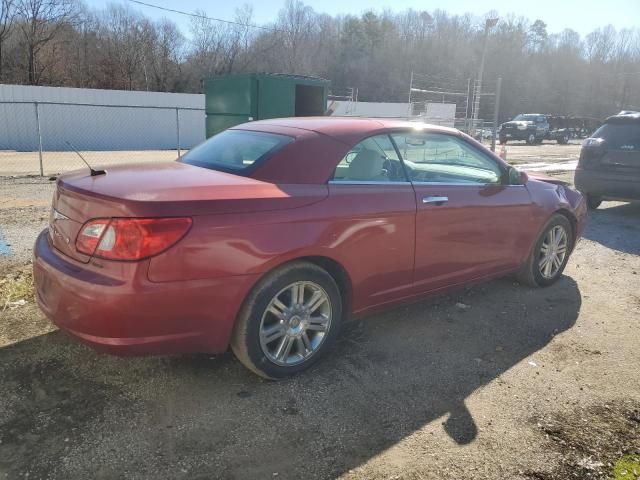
(627, 159)
(64, 225)
(163, 190)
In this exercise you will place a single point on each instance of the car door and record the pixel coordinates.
(374, 232)
(467, 220)
(542, 126)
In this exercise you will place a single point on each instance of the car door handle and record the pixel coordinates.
(438, 200)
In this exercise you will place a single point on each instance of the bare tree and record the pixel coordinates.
(167, 49)
(129, 39)
(296, 26)
(217, 46)
(40, 22)
(7, 14)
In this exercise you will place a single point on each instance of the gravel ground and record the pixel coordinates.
(494, 381)
(24, 212)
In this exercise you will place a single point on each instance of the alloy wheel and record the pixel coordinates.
(553, 251)
(295, 323)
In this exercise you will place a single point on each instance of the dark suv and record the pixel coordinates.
(609, 166)
(530, 127)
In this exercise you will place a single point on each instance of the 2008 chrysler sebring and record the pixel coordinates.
(268, 235)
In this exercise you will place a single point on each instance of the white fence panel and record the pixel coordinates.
(98, 119)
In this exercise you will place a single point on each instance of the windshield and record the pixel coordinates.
(235, 151)
(526, 117)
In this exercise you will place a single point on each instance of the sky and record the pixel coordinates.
(581, 15)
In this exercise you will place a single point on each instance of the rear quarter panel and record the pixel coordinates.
(372, 240)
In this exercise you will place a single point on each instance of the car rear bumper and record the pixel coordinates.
(132, 315)
(608, 185)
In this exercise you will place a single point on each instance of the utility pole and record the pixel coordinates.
(496, 113)
(410, 112)
(488, 25)
(467, 113)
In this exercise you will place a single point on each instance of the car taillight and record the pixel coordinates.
(593, 142)
(591, 152)
(130, 238)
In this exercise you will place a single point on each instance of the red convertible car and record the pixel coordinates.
(268, 235)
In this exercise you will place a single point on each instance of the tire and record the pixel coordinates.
(564, 139)
(503, 140)
(288, 352)
(593, 202)
(534, 272)
(531, 139)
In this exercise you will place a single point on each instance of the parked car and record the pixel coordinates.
(483, 134)
(609, 165)
(267, 236)
(530, 127)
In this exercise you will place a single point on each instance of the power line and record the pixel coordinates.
(205, 17)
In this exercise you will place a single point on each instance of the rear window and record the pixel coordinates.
(235, 151)
(618, 135)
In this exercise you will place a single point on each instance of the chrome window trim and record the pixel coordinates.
(462, 184)
(365, 182)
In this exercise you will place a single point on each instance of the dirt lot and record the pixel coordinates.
(495, 381)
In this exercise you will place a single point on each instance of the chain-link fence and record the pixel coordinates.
(39, 138)
(456, 102)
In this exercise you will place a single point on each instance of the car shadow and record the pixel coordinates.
(616, 226)
(71, 413)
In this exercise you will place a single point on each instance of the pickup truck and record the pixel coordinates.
(530, 127)
(535, 127)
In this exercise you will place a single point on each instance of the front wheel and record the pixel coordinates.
(289, 321)
(531, 139)
(550, 253)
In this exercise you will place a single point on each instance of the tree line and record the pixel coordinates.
(65, 43)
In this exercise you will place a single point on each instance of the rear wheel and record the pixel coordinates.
(550, 253)
(593, 202)
(563, 139)
(503, 140)
(289, 321)
(531, 139)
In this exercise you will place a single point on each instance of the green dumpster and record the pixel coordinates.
(239, 98)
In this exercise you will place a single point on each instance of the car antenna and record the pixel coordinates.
(93, 172)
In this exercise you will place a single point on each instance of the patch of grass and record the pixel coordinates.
(627, 468)
(599, 442)
(15, 286)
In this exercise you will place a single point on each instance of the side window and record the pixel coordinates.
(372, 160)
(441, 158)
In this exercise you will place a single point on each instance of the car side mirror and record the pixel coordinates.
(516, 177)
